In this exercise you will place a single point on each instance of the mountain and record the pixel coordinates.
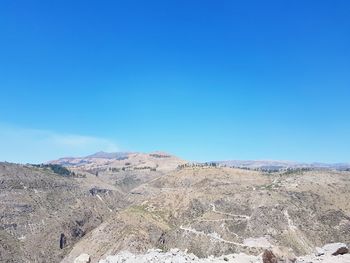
(102, 160)
(222, 210)
(123, 170)
(111, 202)
(273, 165)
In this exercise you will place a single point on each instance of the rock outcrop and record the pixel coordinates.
(176, 256)
(277, 255)
(335, 249)
(274, 255)
(83, 258)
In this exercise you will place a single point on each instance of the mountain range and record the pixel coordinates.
(111, 202)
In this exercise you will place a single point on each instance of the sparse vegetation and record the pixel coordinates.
(204, 202)
(290, 171)
(114, 169)
(156, 155)
(56, 168)
(192, 165)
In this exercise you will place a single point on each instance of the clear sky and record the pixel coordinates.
(205, 80)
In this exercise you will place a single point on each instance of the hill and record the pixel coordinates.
(44, 213)
(272, 165)
(110, 202)
(220, 210)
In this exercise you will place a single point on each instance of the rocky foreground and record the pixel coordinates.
(330, 253)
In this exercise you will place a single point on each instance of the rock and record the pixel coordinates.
(335, 249)
(324, 259)
(83, 258)
(174, 251)
(176, 256)
(319, 251)
(278, 254)
(269, 257)
(273, 255)
(95, 191)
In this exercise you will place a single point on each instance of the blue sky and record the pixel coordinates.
(205, 80)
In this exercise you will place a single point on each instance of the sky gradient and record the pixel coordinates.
(205, 80)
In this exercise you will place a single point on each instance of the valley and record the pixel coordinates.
(137, 201)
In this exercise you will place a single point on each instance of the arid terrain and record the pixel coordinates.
(136, 202)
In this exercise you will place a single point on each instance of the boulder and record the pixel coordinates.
(269, 257)
(335, 249)
(95, 191)
(319, 251)
(278, 255)
(83, 258)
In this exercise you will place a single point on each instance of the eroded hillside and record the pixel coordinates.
(43, 213)
(215, 211)
(134, 201)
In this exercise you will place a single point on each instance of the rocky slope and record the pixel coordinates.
(42, 214)
(218, 211)
(136, 201)
(330, 253)
(124, 170)
(102, 161)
